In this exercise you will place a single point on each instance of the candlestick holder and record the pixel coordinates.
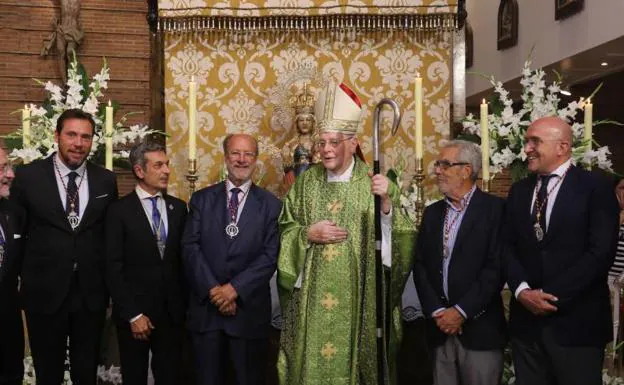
(192, 177)
(485, 185)
(419, 178)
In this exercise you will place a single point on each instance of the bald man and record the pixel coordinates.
(561, 232)
(230, 246)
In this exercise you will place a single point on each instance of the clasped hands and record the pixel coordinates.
(449, 321)
(141, 328)
(224, 298)
(537, 302)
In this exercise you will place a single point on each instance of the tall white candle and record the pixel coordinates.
(109, 136)
(26, 127)
(485, 141)
(587, 132)
(418, 95)
(192, 122)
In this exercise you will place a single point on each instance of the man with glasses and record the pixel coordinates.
(561, 231)
(326, 267)
(230, 248)
(457, 272)
(11, 327)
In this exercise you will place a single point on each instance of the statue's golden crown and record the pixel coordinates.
(303, 102)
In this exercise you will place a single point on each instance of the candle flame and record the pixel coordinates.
(417, 74)
(483, 101)
(109, 103)
(193, 78)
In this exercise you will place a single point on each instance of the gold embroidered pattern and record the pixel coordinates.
(329, 302)
(330, 252)
(329, 351)
(335, 207)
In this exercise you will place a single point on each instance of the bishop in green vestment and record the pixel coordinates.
(326, 266)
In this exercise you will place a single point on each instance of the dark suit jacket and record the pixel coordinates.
(247, 261)
(53, 247)
(12, 221)
(474, 275)
(572, 262)
(140, 281)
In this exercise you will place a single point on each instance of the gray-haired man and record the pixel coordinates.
(143, 232)
(457, 272)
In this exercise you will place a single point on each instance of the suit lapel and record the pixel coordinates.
(252, 205)
(525, 200)
(173, 219)
(94, 188)
(53, 191)
(470, 218)
(438, 228)
(563, 201)
(8, 238)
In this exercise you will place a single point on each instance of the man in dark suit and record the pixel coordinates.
(144, 270)
(561, 230)
(65, 198)
(231, 244)
(457, 272)
(11, 327)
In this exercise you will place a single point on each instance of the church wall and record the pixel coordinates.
(115, 29)
(599, 22)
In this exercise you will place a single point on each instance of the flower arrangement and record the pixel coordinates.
(82, 93)
(507, 127)
(112, 375)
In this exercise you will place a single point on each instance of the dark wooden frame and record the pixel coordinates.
(504, 42)
(571, 7)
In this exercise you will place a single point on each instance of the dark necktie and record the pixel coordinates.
(233, 205)
(542, 196)
(2, 248)
(72, 201)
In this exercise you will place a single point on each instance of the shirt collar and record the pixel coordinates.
(144, 194)
(244, 187)
(345, 176)
(561, 170)
(64, 170)
(464, 201)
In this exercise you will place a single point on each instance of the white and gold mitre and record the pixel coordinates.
(337, 109)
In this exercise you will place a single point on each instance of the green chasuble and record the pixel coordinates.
(329, 323)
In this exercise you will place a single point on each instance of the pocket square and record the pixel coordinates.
(17, 236)
(101, 196)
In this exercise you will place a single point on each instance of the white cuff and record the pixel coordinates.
(136, 318)
(522, 286)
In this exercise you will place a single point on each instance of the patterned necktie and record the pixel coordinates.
(233, 205)
(2, 248)
(158, 226)
(72, 194)
(542, 196)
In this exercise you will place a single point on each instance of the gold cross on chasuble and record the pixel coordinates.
(329, 302)
(334, 207)
(330, 252)
(329, 351)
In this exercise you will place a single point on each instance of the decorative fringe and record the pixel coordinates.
(436, 22)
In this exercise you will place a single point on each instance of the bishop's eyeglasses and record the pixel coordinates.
(445, 164)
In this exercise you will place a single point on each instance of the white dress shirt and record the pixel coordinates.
(242, 196)
(82, 182)
(146, 202)
(554, 183)
(386, 221)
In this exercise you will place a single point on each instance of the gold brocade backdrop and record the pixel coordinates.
(235, 74)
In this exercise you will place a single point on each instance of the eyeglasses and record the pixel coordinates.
(240, 154)
(445, 164)
(333, 143)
